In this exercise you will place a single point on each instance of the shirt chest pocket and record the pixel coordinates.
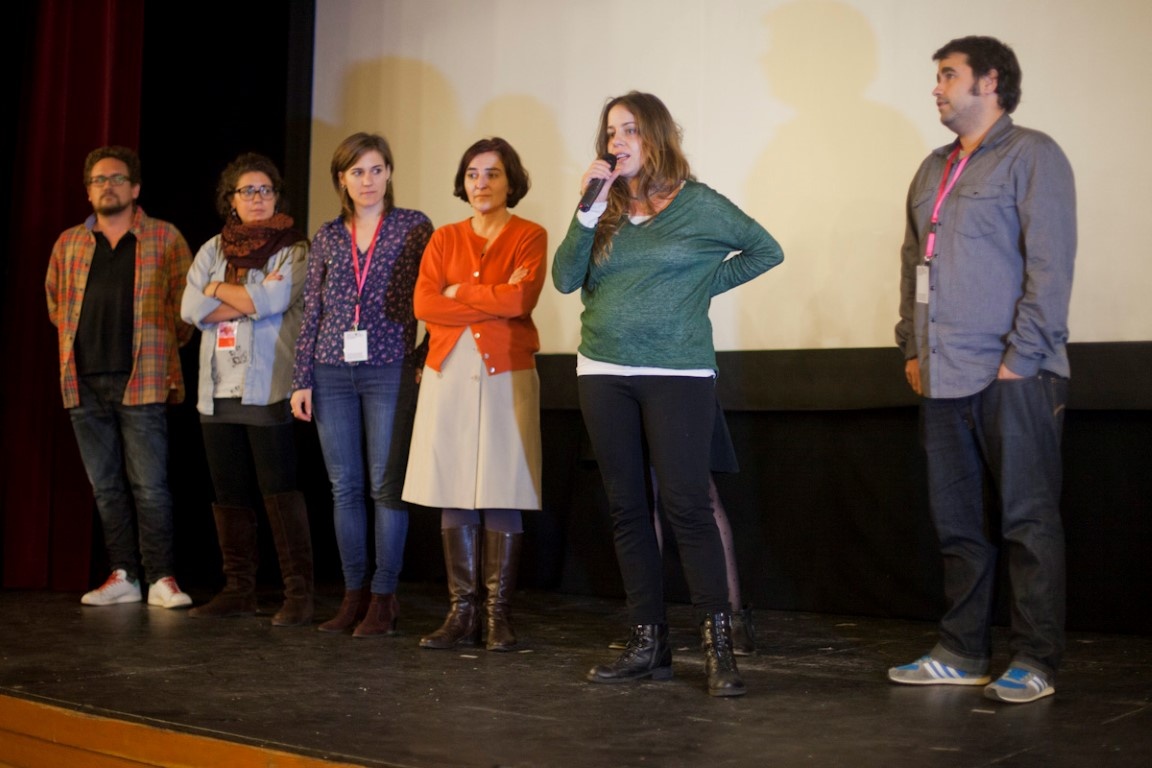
(982, 208)
(922, 201)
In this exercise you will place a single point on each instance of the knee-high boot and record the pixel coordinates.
(501, 564)
(461, 560)
(716, 637)
(288, 518)
(236, 531)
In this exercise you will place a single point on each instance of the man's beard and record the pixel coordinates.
(111, 209)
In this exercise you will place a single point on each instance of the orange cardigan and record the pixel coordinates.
(499, 314)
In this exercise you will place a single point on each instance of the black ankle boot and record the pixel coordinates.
(743, 632)
(646, 655)
(716, 637)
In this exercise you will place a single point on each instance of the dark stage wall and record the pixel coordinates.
(829, 509)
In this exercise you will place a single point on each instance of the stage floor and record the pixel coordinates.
(818, 695)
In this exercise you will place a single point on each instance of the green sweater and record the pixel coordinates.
(647, 305)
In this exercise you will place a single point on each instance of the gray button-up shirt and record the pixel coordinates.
(1001, 277)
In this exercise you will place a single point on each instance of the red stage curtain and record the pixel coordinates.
(81, 91)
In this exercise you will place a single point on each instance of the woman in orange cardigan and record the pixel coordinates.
(476, 442)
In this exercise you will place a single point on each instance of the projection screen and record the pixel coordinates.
(812, 115)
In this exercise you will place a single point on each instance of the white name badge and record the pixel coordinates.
(355, 346)
(226, 334)
(922, 284)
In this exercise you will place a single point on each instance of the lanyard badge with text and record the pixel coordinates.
(356, 340)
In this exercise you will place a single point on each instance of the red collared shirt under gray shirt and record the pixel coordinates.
(1001, 277)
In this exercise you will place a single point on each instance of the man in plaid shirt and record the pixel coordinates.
(114, 286)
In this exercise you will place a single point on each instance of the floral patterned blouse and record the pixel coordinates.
(385, 304)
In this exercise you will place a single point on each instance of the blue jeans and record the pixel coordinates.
(364, 418)
(674, 414)
(1012, 428)
(125, 453)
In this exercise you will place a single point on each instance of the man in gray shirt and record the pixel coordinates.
(985, 284)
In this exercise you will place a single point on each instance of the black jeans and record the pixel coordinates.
(246, 462)
(675, 415)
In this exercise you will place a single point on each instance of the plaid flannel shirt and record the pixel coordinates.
(162, 262)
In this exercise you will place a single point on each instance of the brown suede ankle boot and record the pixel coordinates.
(381, 619)
(352, 610)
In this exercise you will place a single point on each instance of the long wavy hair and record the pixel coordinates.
(663, 169)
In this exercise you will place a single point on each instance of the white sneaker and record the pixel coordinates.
(117, 589)
(165, 593)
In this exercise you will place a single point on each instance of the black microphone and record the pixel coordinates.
(594, 186)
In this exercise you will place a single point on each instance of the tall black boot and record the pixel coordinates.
(462, 562)
(236, 531)
(501, 564)
(646, 654)
(288, 518)
(716, 637)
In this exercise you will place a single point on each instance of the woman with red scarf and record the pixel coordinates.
(245, 294)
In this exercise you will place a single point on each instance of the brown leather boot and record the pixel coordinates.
(236, 531)
(461, 556)
(352, 610)
(501, 564)
(288, 518)
(381, 618)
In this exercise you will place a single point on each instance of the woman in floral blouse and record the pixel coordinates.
(355, 371)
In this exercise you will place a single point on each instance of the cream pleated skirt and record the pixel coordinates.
(476, 438)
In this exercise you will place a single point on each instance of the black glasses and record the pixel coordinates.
(249, 192)
(116, 180)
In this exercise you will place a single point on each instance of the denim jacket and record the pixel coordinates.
(275, 324)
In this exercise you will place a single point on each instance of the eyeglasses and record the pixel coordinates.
(116, 180)
(249, 192)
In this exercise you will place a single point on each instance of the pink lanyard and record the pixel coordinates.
(362, 277)
(946, 185)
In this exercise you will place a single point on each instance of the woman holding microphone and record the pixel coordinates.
(648, 256)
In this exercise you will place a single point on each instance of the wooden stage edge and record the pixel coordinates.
(37, 735)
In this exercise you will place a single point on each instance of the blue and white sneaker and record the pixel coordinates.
(1019, 686)
(927, 671)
